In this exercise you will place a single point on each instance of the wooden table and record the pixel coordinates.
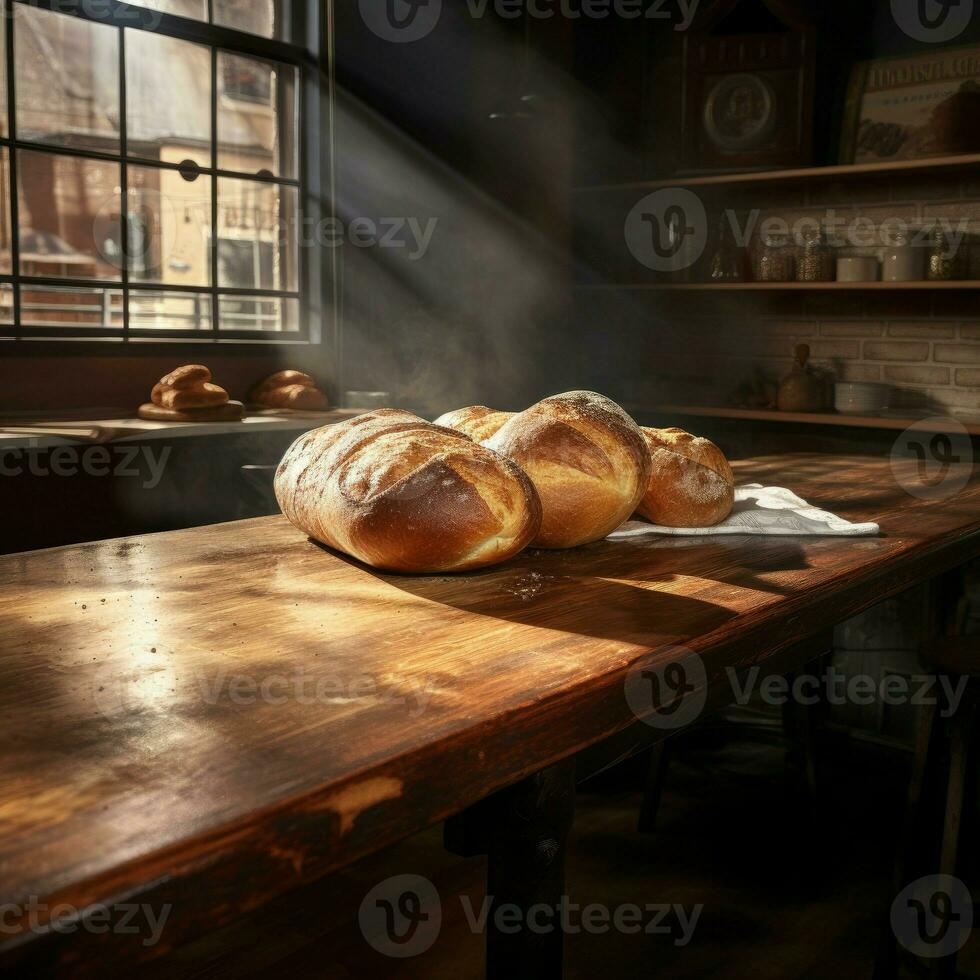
(140, 760)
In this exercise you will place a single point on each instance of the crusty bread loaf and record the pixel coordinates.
(691, 482)
(587, 459)
(203, 395)
(402, 494)
(289, 389)
(478, 422)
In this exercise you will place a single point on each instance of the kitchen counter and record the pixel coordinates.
(48, 434)
(206, 718)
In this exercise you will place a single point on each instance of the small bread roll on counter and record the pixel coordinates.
(402, 494)
(187, 394)
(289, 389)
(586, 457)
(691, 482)
(478, 422)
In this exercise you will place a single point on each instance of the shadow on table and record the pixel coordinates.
(642, 591)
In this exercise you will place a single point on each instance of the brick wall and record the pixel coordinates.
(930, 364)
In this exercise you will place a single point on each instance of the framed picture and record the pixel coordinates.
(912, 107)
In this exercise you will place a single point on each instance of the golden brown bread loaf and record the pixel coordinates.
(300, 397)
(478, 422)
(203, 396)
(402, 494)
(282, 378)
(188, 387)
(691, 482)
(289, 389)
(587, 460)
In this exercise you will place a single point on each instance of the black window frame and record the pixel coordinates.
(300, 48)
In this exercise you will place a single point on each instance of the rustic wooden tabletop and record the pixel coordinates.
(209, 717)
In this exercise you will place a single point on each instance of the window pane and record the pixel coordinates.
(162, 310)
(70, 306)
(69, 216)
(256, 235)
(196, 9)
(169, 227)
(269, 315)
(262, 17)
(256, 116)
(6, 303)
(168, 95)
(6, 238)
(67, 80)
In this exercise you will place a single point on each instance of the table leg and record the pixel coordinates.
(523, 830)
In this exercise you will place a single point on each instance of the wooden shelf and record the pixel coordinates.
(935, 165)
(958, 284)
(894, 421)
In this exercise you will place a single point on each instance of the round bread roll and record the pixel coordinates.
(402, 494)
(691, 482)
(478, 422)
(587, 460)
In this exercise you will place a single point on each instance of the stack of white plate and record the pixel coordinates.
(861, 397)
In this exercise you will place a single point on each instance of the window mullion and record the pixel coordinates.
(123, 184)
(8, 12)
(215, 306)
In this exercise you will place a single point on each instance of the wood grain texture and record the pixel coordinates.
(137, 765)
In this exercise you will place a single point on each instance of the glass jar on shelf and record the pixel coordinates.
(941, 265)
(816, 262)
(727, 262)
(775, 261)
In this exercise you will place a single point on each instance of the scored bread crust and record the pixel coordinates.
(586, 457)
(691, 482)
(402, 494)
(478, 422)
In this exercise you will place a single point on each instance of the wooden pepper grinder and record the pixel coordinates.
(801, 390)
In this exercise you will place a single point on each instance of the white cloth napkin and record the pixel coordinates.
(762, 510)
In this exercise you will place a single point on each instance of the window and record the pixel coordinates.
(151, 171)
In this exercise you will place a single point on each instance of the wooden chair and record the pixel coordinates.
(941, 788)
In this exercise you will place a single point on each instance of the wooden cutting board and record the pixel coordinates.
(231, 411)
